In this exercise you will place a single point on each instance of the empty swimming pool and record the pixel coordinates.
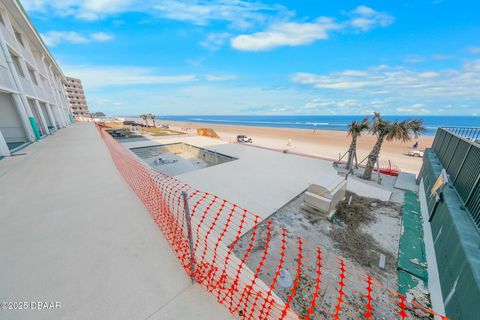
(177, 158)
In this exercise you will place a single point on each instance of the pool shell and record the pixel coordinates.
(179, 158)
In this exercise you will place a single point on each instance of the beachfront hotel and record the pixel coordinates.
(32, 99)
(76, 97)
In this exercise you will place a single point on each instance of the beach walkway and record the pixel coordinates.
(72, 232)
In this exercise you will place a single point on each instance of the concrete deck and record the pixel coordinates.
(72, 231)
(406, 181)
(260, 180)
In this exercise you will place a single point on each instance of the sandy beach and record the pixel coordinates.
(323, 143)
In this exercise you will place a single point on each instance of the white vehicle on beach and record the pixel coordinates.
(244, 138)
(415, 153)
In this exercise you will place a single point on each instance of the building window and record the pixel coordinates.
(18, 36)
(32, 75)
(16, 63)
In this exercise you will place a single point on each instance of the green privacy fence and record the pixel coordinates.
(456, 243)
(455, 220)
(458, 150)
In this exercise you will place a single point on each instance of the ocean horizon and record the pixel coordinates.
(337, 123)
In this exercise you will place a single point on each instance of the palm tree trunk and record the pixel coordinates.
(372, 159)
(351, 151)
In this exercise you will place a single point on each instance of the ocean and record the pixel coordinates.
(338, 123)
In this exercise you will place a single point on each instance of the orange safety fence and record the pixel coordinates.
(256, 270)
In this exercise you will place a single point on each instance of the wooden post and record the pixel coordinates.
(189, 234)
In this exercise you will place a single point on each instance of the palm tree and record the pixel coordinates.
(355, 130)
(153, 117)
(145, 118)
(390, 131)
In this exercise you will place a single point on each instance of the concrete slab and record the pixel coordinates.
(264, 180)
(406, 181)
(173, 311)
(73, 231)
(367, 189)
(261, 181)
(193, 140)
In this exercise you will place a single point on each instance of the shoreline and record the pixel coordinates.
(321, 143)
(320, 122)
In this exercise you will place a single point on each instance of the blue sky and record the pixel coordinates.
(187, 57)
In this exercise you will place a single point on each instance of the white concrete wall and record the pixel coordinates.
(48, 119)
(5, 80)
(10, 123)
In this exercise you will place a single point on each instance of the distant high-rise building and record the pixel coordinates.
(76, 97)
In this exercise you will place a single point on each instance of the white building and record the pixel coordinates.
(76, 98)
(32, 98)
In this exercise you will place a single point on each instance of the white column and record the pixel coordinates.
(66, 104)
(51, 116)
(56, 97)
(61, 101)
(23, 65)
(62, 115)
(40, 114)
(18, 98)
(4, 151)
(55, 117)
(59, 116)
(52, 88)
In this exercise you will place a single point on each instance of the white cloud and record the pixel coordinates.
(474, 50)
(400, 81)
(286, 34)
(343, 81)
(416, 109)
(414, 59)
(101, 36)
(238, 13)
(316, 106)
(418, 59)
(84, 9)
(220, 77)
(94, 77)
(365, 18)
(275, 20)
(440, 57)
(109, 76)
(197, 98)
(215, 41)
(53, 38)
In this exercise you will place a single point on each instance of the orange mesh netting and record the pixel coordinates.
(256, 270)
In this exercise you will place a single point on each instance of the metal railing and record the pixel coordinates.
(471, 134)
(458, 150)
